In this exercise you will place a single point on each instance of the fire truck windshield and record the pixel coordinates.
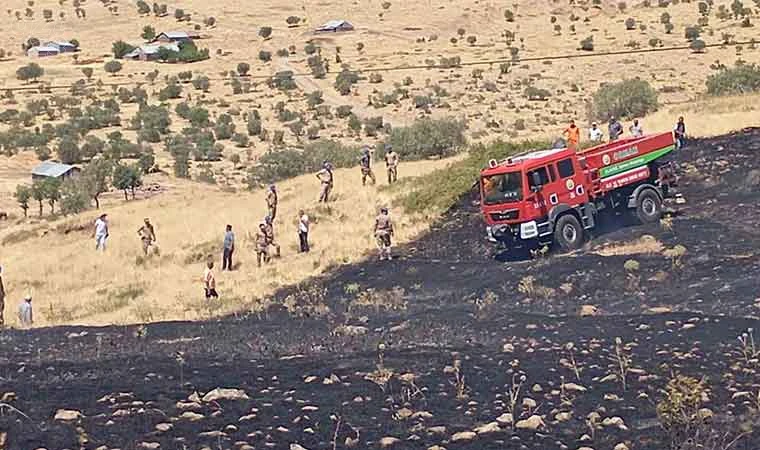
(502, 188)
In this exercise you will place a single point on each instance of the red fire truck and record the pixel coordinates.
(555, 196)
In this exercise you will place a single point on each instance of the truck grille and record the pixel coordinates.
(505, 215)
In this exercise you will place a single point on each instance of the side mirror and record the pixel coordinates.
(536, 182)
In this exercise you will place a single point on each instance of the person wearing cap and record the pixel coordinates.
(25, 317)
(391, 164)
(383, 233)
(595, 133)
(101, 232)
(303, 231)
(2, 299)
(325, 177)
(262, 245)
(365, 162)
(147, 235)
(228, 248)
(269, 230)
(573, 135)
(636, 129)
(615, 129)
(272, 201)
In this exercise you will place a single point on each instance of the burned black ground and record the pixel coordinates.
(443, 300)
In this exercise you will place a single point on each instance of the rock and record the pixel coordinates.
(688, 326)
(351, 442)
(739, 395)
(67, 415)
(463, 436)
(191, 416)
(589, 311)
(351, 330)
(225, 394)
(585, 438)
(437, 430)
(614, 422)
(422, 415)
(310, 379)
(194, 398)
(8, 397)
(621, 446)
(529, 403)
(505, 419)
(164, 427)
(660, 310)
(533, 423)
(187, 406)
(705, 413)
(436, 447)
(572, 387)
(585, 448)
(389, 441)
(508, 348)
(404, 413)
(310, 408)
(492, 427)
(297, 447)
(536, 388)
(247, 417)
(149, 445)
(563, 417)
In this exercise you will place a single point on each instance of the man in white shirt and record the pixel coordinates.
(636, 129)
(303, 231)
(25, 318)
(595, 133)
(101, 232)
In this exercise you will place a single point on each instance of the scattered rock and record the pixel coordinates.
(536, 388)
(492, 427)
(164, 427)
(463, 436)
(310, 379)
(621, 446)
(614, 422)
(705, 413)
(572, 387)
(191, 416)
(187, 406)
(422, 415)
(389, 441)
(404, 413)
(529, 403)
(563, 417)
(149, 445)
(350, 330)
(194, 398)
(508, 348)
(436, 447)
(310, 408)
(437, 430)
(660, 310)
(67, 415)
(297, 447)
(505, 419)
(225, 394)
(589, 311)
(533, 423)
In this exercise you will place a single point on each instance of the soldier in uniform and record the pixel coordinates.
(262, 245)
(366, 165)
(383, 233)
(147, 235)
(272, 201)
(269, 230)
(391, 164)
(325, 177)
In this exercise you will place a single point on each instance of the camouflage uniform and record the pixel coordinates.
(269, 233)
(366, 165)
(272, 202)
(262, 246)
(326, 178)
(383, 233)
(391, 164)
(147, 236)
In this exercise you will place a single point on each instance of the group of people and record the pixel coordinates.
(572, 133)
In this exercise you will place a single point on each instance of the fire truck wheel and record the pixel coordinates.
(568, 233)
(648, 207)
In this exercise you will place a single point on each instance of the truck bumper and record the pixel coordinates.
(519, 235)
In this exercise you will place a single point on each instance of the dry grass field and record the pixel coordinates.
(73, 284)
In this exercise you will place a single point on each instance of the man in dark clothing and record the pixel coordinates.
(269, 230)
(147, 236)
(679, 133)
(229, 248)
(615, 129)
(2, 299)
(383, 233)
(366, 165)
(272, 201)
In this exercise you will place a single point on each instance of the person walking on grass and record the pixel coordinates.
(303, 231)
(209, 281)
(25, 315)
(325, 177)
(2, 299)
(229, 249)
(383, 233)
(365, 162)
(269, 230)
(272, 201)
(391, 164)
(147, 236)
(262, 245)
(101, 232)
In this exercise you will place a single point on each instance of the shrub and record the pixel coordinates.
(69, 152)
(283, 164)
(624, 99)
(265, 55)
(265, 32)
(310, 48)
(588, 44)
(172, 90)
(283, 53)
(148, 33)
(697, 46)
(740, 79)
(691, 33)
(509, 16)
(121, 48)
(112, 67)
(427, 138)
(375, 77)
(293, 20)
(243, 69)
(343, 111)
(344, 80)
(630, 23)
(30, 72)
(534, 93)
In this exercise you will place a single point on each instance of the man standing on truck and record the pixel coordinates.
(383, 233)
(325, 177)
(391, 163)
(366, 165)
(636, 129)
(615, 129)
(573, 135)
(680, 133)
(595, 133)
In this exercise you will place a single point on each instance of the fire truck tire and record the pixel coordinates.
(568, 233)
(648, 206)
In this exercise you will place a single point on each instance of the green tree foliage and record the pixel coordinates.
(243, 69)
(254, 123)
(74, 199)
(31, 72)
(279, 165)
(179, 147)
(121, 48)
(23, 194)
(624, 99)
(741, 79)
(265, 32)
(68, 151)
(38, 193)
(95, 178)
(112, 67)
(51, 190)
(344, 80)
(171, 91)
(127, 178)
(427, 138)
(152, 121)
(148, 33)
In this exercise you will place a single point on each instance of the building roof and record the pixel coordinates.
(43, 48)
(175, 34)
(59, 44)
(51, 169)
(335, 24)
(151, 49)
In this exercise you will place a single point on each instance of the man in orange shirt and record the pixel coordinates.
(573, 135)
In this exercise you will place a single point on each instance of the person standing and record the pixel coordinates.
(209, 281)
(366, 165)
(229, 249)
(615, 129)
(679, 133)
(303, 231)
(25, 315)
(636, 129)
(2, 299)
(262, 245)
(269, 230)
(595, 133)
(147, 235)
(325, 177)
(391, 164)
(573, 135)
(101, 232)
(383, 233)
(272, 201)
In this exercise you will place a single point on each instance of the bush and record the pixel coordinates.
(741, 79)
(121, 48)
(265, 55)
(534, 93)
(68, 151)
(243, 69)
(588, 44)
(344, 80)
(624, 99)
(697, 46)
(691, 33)
(283, 164)
(172, 90)
(630, 23)
(265, 32)
(112, 67)
(30, 72)
(427, 138)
